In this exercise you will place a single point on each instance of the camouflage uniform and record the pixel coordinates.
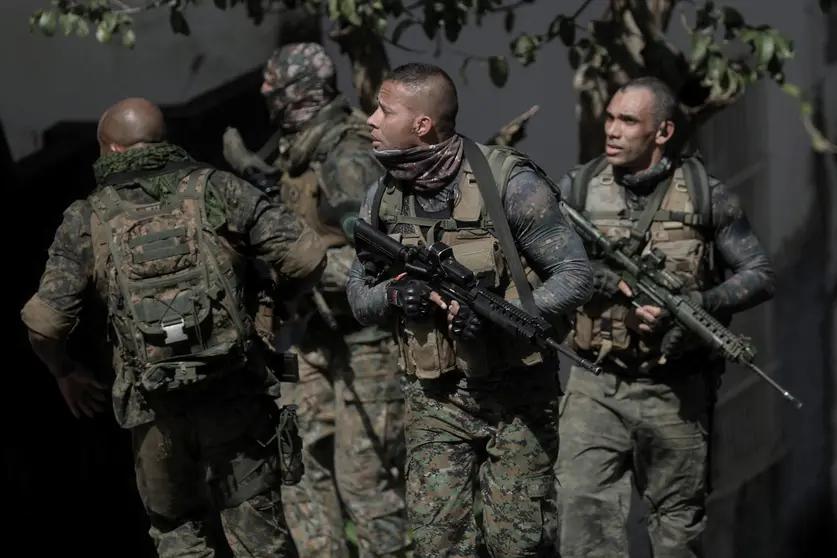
(205, 448)
(349, 398)
(641, 418)
(481, 415)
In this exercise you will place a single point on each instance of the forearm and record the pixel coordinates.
(52, 352)
(368, 303)
(569, 287)
(742, 291)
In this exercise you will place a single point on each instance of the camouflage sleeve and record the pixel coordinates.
(346, 173)
(54, 310)
(549, 244)
(368, 302)
(269, 232)
(753, 280)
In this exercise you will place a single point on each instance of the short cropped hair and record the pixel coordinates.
(665, 103)
(436, 86)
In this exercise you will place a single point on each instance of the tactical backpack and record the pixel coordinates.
(174, 288)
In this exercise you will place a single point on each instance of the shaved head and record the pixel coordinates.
(131, 123)
(432, 92)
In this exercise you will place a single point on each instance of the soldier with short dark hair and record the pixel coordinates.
(481, 404)
(162, 242)
(646, 416)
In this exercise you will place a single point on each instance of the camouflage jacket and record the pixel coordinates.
(240, 212)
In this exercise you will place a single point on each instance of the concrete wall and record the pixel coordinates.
(46, 80)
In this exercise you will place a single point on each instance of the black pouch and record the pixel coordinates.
(285, 366)
(291, 468)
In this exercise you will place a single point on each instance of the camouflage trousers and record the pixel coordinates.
(350, 411)
(201, 460)
(613, 428)
(495, 437)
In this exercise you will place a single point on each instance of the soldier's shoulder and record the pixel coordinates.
(78, 214)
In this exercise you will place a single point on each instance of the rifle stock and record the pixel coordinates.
(437, 267)
(647, 276)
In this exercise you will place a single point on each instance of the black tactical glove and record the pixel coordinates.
(466, 324)
(411, 296)
(605, 281)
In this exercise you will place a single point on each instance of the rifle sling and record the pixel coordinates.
(494, 205)
(639, 230)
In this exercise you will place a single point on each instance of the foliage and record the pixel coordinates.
(628, 40)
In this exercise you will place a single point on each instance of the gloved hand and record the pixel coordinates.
(411, 296)
(239, 157)
(466, 324)
(605, 281)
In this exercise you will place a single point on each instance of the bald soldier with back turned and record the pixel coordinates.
(162, 241)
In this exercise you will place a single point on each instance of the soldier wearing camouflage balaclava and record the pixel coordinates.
(349, 400)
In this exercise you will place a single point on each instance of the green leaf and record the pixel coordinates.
(574, 56)
(48, 23)
(784, 47)
(826, 5)
(700, 48)
(381, 25)
(349, 10)
(129, 38)
(498, 70)
(178, 22)
(68, 22)
(566, 31)
(103, 33)
(402, 26)
(524, 48)
(220, 4)
(34, 18)
(716, 67)
(82, 28)
(791, 90)
(334, 9)
(765, 48)
(732, 17)
(508, 21)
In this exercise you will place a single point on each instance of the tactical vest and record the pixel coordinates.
(678, 229)
(173, 287)
(302, 193)
(427, 349)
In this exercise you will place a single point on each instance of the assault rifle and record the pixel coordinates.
(437, 267)
(647, 277)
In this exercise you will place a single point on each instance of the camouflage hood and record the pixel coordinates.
(158, 187)
(299, 80)
(320, 133)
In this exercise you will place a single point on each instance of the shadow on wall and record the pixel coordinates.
(75, 478)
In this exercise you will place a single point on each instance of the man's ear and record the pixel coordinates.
(664, 133)
(423, 125)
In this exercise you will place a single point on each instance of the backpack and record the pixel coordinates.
(174, 288)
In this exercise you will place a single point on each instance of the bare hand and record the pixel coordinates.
(82, 392)
(649, 315)
(452, 308)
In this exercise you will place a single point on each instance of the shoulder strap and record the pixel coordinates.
(494, 205)
(375, 210)
(640, 228)
(581, 182)
(697, 183)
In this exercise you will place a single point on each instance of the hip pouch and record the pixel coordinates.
(291, 468)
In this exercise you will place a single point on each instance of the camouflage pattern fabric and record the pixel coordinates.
(299, 80)
(500, 435)
(612, 429)
(351, 420)
(217, 423)
(229, 443)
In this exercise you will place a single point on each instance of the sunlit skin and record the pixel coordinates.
(401, 122)
(635, 142)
